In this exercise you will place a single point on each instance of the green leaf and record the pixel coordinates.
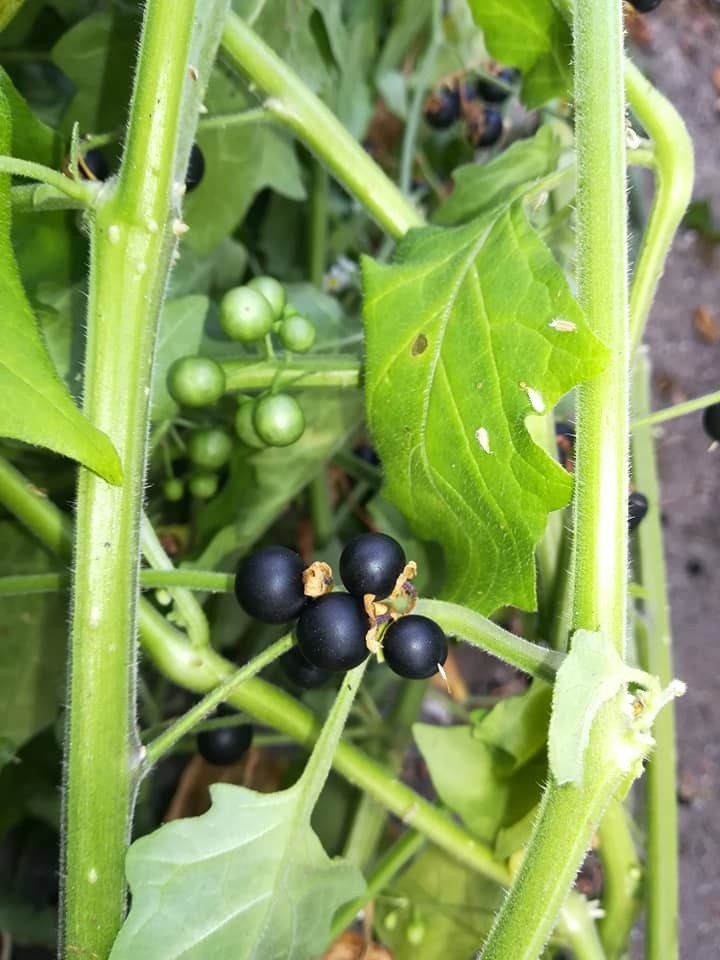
(451, 905)
(248, 879)
(474, 779)
(481, 187)
(591, 674)
(517, 727)
(180, 333)
(460, 349)
(97, 54)
(32, 642)
(31, 138)
(36, 405)
(265, 156)
(532, 36)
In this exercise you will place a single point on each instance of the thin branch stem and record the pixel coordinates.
(327, 372)
(81, 193)
(473, 628)
(297, 108)
(622, 880)
(674, 176)
(164, 743)
(678, 410)
(654, 639)
(389, 865)
(192, 614)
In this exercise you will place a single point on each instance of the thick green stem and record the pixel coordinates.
(297, 108)
(674, 175)
(601, 489)
(473, 628)
(327, 372)
(132, 240)
(566, 820)
(654, 639)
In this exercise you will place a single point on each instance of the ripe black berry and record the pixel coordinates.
(371, 563)
(301, 671)
(414, 646)
(225, 745)
(645, 6)
(269, 584)
(711, 421)
(93, 165)
(491, 92)
(195, 168)
(442, 108)
(637, 508)
(488, 132)
(331, 632)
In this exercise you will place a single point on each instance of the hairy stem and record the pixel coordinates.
(601, 491)
(297, 108)
(131, 245)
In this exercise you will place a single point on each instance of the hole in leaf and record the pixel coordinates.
(419, 345)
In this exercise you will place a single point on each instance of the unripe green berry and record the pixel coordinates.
(279, 420)
(196, 381)
(273, 291)
(245, 314)
(245, 426)
(209, 448)
(297, 333)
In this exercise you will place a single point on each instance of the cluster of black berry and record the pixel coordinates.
(475, 101)
(336, 631)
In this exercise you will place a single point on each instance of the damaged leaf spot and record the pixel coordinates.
(419, 345)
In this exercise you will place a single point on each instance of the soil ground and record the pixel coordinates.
(681, 56)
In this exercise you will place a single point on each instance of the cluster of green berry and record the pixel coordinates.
(335, 631)
(476, 100)
(247, 314)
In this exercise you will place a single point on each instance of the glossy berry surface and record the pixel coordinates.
(273, 291)
(413, 647)
(269, 584)
(195, 168)
(297, 333)
(489, 131)
(93, 165)
(711, 421)
(331, 632)
(279, 420)
(196, 381)
(225, 745)
(371, 563)
(493, 93)
(645, 6)
(209, 448)
(637, 508)
(245, 315)
(442, 108)
(301, 671)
